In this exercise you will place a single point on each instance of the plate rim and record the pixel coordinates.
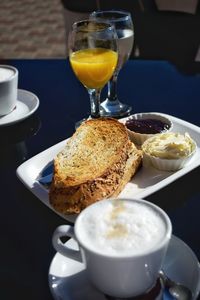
(37, 103)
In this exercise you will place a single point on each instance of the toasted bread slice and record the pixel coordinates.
(133, 163)
(96, 163)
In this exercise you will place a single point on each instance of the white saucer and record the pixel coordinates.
(27, 103)
(67, 279)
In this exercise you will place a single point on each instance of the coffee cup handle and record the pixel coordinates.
(65, 231)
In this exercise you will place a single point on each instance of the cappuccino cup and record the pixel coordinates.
(8, 89)
(122, 243)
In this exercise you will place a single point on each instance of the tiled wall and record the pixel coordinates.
(32, 29)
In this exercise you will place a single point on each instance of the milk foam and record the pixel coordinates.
(5, 73)
(121, 227)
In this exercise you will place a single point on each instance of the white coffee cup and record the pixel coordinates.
(122, 243)
(8, 88)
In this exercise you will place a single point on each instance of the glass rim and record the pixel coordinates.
(80, 23)
(124, 14)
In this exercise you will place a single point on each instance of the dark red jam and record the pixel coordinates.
(148, 126)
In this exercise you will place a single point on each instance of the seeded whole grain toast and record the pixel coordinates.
(96, 163)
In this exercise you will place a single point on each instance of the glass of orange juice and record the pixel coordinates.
(93, 57)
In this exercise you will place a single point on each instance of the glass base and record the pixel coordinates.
(114, 109)
(78, 123)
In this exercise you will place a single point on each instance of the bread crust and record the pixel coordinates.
(71, 194)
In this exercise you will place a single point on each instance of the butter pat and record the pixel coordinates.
(169, 145)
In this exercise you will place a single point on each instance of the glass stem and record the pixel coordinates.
(95, 102)
(112, 88)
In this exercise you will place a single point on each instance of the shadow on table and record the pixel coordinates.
(13, 137)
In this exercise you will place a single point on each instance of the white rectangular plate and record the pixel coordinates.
(147, 181)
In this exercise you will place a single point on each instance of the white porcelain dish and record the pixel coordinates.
(169, 164)
(27, 104)
(147, 181)
(140, 138)
(68, 281)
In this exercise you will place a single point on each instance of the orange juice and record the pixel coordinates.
(94, 67)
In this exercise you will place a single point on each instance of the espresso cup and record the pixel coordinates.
(122, 243)
(8, 89)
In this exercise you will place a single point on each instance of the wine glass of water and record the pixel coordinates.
(123, 24)
(93, 57)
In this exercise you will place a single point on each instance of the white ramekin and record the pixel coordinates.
(167, 164)
(139, 138)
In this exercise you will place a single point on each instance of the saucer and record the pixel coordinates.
(68, 280)
(27, 104)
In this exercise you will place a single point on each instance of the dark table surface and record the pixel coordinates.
(27, 224)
